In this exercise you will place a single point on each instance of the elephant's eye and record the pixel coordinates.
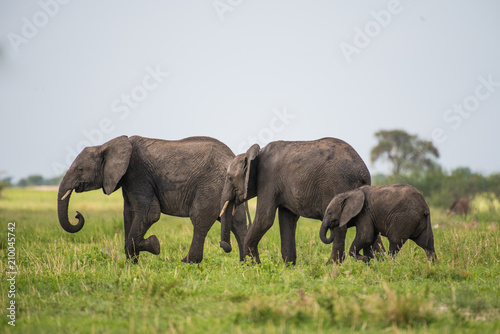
(80, 169)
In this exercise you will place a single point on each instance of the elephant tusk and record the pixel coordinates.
(234, 209)
(66, 195)
(224, 208)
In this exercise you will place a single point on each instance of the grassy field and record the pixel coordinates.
(81, 283)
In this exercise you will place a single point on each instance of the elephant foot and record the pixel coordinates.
(336, 257)
(249, 261)
(131, 253)
(133, 258)
(152, 245)
(191, 260)
(226, 246)
(431, 255)
(252, 256)
(365, 259)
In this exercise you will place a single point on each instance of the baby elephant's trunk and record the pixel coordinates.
(323, 231)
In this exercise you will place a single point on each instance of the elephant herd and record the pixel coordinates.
(201, 178)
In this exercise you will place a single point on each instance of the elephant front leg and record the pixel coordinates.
(375, 247)
(142, 221)
(240, 229)
(128, 219)
(264, 219)
(395, 247)
(338, 247)
(364, 239)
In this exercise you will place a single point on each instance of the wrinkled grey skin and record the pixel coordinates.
(297, 179)
(399, 212)
(181, 178)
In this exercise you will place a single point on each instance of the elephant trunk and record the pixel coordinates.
(63, 197)
(225, 231)
(323, 231)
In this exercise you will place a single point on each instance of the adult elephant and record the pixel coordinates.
(298, 178)
(182, 178)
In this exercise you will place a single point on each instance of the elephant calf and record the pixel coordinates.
(399, 212)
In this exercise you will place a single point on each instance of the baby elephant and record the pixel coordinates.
(399, 212)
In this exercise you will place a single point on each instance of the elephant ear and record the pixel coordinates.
(352, 205)
(116, 157)
(250, 169)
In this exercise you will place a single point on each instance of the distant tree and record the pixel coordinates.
(55, 181)
(22, 183)
(32, 180)
(5, 182)
(36, 180)
(405, 152)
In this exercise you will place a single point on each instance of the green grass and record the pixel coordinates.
(81, 283)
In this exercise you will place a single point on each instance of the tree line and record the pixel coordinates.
(31, 181)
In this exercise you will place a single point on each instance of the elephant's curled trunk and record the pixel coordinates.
(63, 197)
(323, 231)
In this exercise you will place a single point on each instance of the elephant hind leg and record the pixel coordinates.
(378, 246)
(394, 247)
(426, 242)
(288, 226)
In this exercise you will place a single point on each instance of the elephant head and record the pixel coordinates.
(240, 186)
(340, 211)
(94, 168)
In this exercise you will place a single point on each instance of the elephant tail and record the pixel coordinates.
(429, 249)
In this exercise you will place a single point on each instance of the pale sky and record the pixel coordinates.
(78, 73)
